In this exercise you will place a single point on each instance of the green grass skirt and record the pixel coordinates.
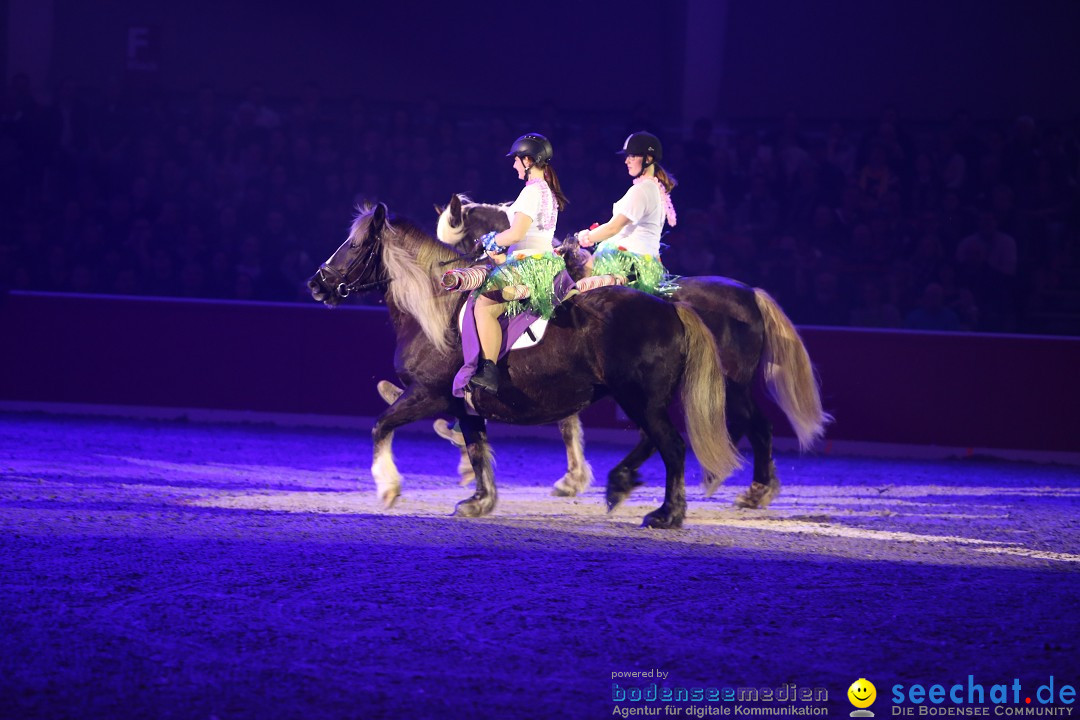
(643, 272)
(537, 271)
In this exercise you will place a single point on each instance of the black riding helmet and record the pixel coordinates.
(643, 143)
(532, 145)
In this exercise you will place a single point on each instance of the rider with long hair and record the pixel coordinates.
(629, 243)
(522, 254)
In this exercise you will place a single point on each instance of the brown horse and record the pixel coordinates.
(756, 340)
(612, 342)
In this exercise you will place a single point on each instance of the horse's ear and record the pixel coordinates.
(378, 218)
(455, 210)
(438, 209)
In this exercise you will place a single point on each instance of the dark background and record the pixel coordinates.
(844, 59)
(836, 58)
(584, 56)
(224, 157)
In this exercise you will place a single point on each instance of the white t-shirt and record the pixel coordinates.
(643, 206)
(537, 202)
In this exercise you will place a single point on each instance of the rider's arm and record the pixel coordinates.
(516, 232)
(608, 230)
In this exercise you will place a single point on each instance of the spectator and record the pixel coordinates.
(989, 245)
(872, 310)
(255, 111)
(759, 212)
(825, 306)
(933, 314)
(925, 192)
(839, 151)
(698, 177)
(952, 165)
(232, 198)
(876, 178)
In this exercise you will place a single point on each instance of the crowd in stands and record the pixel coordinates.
(957, 224)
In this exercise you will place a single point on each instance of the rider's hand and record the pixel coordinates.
(488, 242)
(583, 239)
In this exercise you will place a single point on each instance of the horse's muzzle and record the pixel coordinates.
(317, 292)
(321, 288)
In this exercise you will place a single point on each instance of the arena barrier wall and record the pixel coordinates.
(919, 388)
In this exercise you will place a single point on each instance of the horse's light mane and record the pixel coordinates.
(415, 262)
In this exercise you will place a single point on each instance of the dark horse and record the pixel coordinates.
(755, 338)
(614, 341)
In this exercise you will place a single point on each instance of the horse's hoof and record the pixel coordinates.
(473, 507)
(619, 487)
(449, 433)
(757, 497)
(615, 498)
(663, 519)
(747, 501)
(573, 484)
(389, 498)
(563, 489)
(388, 391)
(710, 483)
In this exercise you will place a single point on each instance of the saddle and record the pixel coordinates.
(519, 332)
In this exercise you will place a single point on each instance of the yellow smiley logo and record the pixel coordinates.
(862, 693)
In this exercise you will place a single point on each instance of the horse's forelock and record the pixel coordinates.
(362, 210)
(361, 214)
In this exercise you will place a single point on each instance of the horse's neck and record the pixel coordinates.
(408, 330)
(406, 326)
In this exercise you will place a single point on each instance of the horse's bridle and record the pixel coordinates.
(365, 261)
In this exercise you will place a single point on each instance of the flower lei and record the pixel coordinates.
(669, 209)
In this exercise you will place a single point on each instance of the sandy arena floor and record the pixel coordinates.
(177, 570)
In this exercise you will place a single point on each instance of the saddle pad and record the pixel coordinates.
(523, 340)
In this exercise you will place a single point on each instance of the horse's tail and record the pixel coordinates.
(704, 401)
(789, 374)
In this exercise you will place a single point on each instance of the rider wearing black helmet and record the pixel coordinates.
(522, 254)
(535, 147)
(644, 145)
(629, 243)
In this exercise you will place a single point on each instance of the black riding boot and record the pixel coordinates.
(486, 377)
